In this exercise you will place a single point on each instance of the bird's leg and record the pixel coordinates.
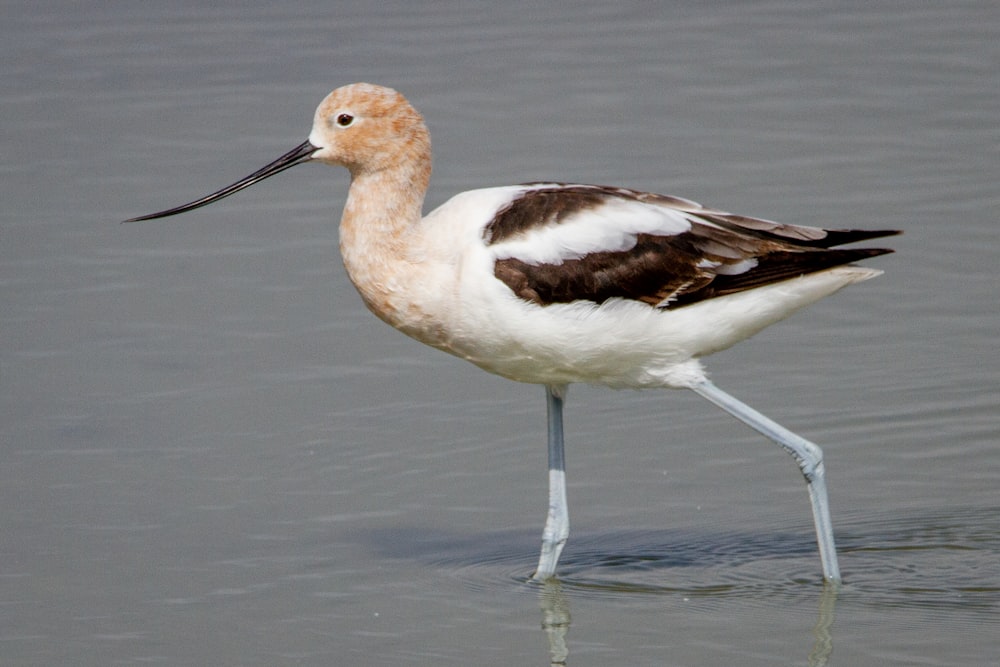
(557, 522)
(807, 455)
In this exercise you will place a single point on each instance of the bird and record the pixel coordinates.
(555, 283)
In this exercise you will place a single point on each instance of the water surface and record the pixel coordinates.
(212, 454)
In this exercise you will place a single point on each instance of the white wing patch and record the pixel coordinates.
(611, 226)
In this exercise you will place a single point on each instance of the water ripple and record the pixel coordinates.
(944, 561)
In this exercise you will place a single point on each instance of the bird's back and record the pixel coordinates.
(555, 283)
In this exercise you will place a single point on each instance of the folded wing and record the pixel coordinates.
(557, 243)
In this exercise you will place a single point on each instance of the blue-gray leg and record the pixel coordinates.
(807, 455)
(557, 522)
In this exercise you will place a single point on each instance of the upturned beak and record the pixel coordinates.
(301, 153)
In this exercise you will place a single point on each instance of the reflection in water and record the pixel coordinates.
(556, 620)
(823, 646)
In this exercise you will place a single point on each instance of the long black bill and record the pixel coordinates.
(301, 153)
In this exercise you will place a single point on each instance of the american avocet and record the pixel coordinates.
(555, 283)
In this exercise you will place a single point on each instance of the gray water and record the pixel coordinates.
(211, 454)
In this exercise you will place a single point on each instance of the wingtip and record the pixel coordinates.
(838, 237)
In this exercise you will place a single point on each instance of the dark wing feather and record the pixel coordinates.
(720, 254)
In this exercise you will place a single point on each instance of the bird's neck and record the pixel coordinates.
(382, 213)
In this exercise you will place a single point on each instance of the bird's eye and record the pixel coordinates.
(345, 119)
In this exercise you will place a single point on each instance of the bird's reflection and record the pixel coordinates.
(823, 644)
(556, 621)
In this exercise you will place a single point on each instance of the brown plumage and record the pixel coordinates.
(721, 253)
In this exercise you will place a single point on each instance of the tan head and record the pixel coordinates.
(368, 128)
